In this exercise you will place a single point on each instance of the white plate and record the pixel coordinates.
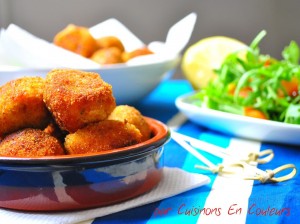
(238, 125)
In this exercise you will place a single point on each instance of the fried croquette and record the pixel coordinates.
(110, 41)
(102, 136)
(30, 143)
(53, 130)
(126, 56)
(105, 56)
(76, 39)
(133, 116)
(22, 106)
(76, 98)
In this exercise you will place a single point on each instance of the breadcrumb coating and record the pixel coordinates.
(30, 143)
(111, 55)
(76, 98)
(102, 136)
(76, 39)
(133, 116)
(110, 41)
(22, 106)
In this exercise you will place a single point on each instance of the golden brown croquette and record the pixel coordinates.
(22, 106)
(53, 130)
(110, 41)
(102, 136)
(133, 116)
(105, 56)
(30, 143)
(76, 98)
(126, 56)
(76, 39)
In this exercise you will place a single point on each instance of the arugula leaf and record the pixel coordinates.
(292, 115)
(291, 53)
(259, 81)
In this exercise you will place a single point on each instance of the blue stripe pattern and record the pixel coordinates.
(268, 203)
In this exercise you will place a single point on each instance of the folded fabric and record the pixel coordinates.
(21, 48)
(175, 181)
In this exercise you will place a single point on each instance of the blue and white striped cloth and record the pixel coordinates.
(224, 200)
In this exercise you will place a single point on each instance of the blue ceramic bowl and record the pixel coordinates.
(72, 182)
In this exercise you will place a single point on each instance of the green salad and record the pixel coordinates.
(253, 84)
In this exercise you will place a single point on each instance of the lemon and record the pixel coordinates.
(200, 59)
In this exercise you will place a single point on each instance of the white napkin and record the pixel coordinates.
(113, 27)
(175, 181)
(22, 49)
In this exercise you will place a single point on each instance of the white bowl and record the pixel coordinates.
(130, 83)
